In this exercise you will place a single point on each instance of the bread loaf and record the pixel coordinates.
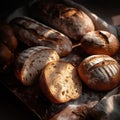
(70, 21)
(34, 33)
(7, 36)
(100, 72)
(31, 61)
(6, 57)
(60, 82)
(100, 42)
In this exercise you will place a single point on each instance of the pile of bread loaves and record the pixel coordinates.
(63, 51)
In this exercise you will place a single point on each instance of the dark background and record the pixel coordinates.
(10, 107)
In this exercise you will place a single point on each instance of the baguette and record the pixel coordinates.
(70, 21)
(100, 72)
(31, 61)
(59, 81)
(34, 33)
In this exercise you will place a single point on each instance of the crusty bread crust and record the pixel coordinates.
(69, 20)
(31, 61)
(34, 33)
(100, 42)
(60, 82)
(100, 72)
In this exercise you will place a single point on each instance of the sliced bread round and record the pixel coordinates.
(60, 82)
(31, 61)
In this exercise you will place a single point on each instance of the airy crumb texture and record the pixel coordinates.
(60, 82)
(31, 61)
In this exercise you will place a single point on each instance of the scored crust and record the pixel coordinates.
(100, 42)
(100, 72)
(60, 82)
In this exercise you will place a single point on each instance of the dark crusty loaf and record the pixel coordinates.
(6, 57)
(100, 42)
(100, 72)
(7, 36)
(70, 21)
(34, 33)
(31, 61)
(60, 82)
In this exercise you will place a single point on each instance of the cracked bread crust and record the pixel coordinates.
(70, 21)
(34, 33)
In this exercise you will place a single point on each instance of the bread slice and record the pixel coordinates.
(31, 61)
(60, 82)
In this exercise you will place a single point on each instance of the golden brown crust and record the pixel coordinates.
(100, 42)
(100, 72)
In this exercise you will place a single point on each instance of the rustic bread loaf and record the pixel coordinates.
(60, 82)
(34, 33)
(6, 57)
(70, 21)
(31, 61)
(7, 36)
(100, 42)
(100, 72)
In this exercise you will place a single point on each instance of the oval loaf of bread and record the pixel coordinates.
(34, 33)
(60, 82)
(100, 72)
(70, 21)
(31, 61)
(100, 42)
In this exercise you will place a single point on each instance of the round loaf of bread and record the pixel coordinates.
(6, 57)
(60, 82)
(69, 20)
(100, 42)
(100, 72)
(31, 61)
